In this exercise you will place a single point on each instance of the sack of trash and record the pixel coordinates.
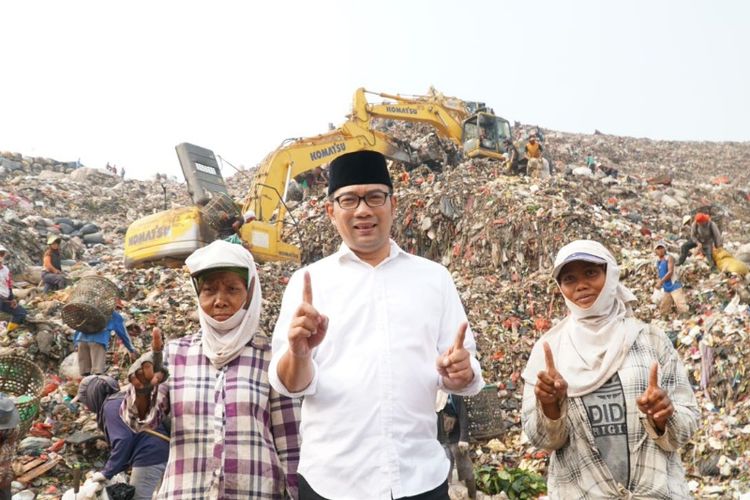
(728, 264)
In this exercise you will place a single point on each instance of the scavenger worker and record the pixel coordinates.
(674, 294)
(8, 304)
(605, 392)
(9, 434)
(704, 234)
(144, 453)
(233, 436)
(52, 274)
(92, 347)
(533, 152)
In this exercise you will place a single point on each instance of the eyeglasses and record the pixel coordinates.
(373, 199)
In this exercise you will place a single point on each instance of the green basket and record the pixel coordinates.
(22, 381)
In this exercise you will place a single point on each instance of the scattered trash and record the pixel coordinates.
(497, 234)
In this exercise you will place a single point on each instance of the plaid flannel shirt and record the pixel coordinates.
(233, 436)
(577, 470)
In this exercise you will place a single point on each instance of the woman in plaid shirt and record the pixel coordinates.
(232, 435)
(606, 392)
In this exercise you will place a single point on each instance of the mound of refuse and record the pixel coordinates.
(498, 235)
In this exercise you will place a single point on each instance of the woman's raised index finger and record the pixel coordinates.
(548, 357)
(156, 342)
(653, 376)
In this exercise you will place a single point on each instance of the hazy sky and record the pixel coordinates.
(125, 82)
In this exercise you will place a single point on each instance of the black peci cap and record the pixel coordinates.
(360, 167)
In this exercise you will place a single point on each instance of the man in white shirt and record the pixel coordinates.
(386, 331)
(8, 303)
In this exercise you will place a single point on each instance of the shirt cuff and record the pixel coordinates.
(130, 415)
(662, 439)
(553, 427)
(273, 378)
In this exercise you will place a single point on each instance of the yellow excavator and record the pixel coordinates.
(166, 238)
(471, 125)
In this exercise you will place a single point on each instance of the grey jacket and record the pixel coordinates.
(705, 233)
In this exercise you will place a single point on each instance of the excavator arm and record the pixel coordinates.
(168, 237)
(446, 115)
(302, 155)
(471, 125)
(267, 194)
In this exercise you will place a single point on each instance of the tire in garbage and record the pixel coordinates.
(88, 229)
(93, 238)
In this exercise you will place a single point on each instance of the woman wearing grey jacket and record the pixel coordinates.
(605, 392)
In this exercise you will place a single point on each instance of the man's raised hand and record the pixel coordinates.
(454, 365)
(308, 327)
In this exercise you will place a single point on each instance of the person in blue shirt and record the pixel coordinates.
(673, 292)
(145, 453)
(92, 347)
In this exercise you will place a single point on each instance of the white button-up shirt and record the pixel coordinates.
(369, 427)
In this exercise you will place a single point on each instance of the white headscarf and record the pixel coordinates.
(590, 344)
(224, 340)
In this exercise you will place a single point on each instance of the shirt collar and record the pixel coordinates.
(345, 253)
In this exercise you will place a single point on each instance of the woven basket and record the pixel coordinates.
(485, 415)
(90, 304)
(23, 381)
(220, 212)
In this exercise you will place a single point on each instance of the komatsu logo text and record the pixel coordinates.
(151, 234)
(330, 150)
(396, 109)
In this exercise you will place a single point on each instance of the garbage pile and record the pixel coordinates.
(497, 233)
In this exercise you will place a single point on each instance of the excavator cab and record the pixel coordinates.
(484, 135)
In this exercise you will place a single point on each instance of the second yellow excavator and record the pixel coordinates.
(172, 235)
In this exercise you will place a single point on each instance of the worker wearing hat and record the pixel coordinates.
(674, 294)
(52, 274)
(534, 156)
(233, 437)
(144, 454)
(92, 346)
(9, 420)
(8, 304)
(397, 334)
(704, 234)
(601, 380)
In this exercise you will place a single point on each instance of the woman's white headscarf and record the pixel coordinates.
(590, 344)
(224, 340)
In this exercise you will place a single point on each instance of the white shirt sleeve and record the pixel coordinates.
(453, 316)
(280, 339)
